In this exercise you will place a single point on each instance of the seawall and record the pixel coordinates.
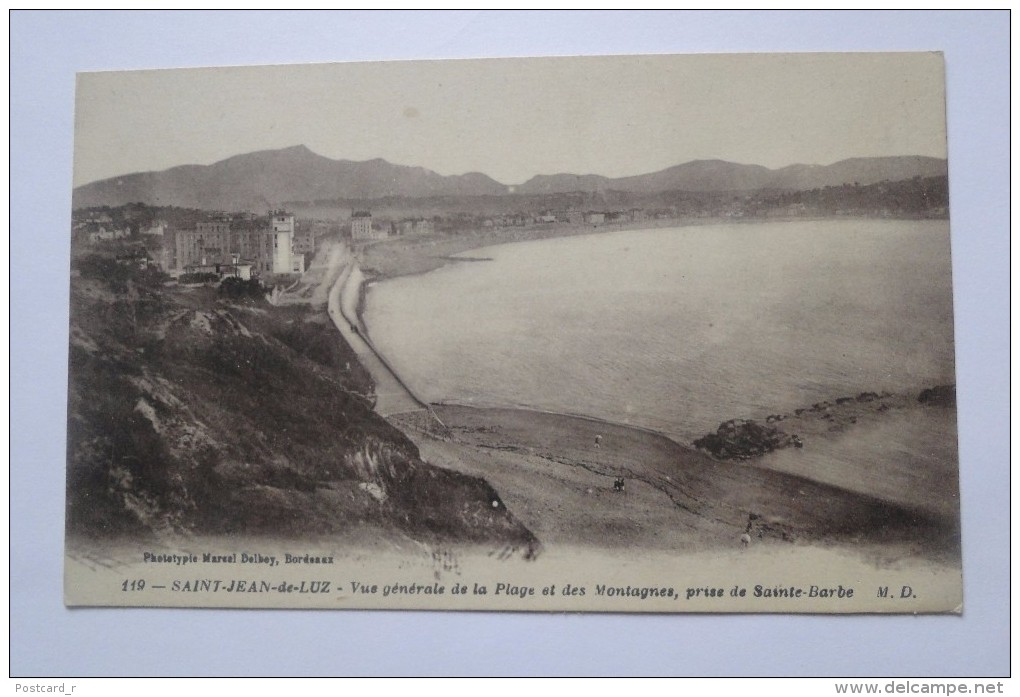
(393, 395)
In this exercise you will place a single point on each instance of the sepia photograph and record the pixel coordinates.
(516, 343)
(660, 333)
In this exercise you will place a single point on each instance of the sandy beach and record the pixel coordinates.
(550, 474)
(407, 256)
(410, 255)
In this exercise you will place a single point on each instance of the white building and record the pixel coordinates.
(361, 226)
(100, 233)
(285, 260)
(157, 229)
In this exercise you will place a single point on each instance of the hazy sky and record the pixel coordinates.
(514, 118)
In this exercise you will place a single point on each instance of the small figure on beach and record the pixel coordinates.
(598, 441)
(751, 517)
(619, 485)
(745, 539)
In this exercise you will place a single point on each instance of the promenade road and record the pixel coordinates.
(392, 396)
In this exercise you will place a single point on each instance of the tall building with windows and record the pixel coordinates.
(285, 260)
(267, 247)
(361, 225)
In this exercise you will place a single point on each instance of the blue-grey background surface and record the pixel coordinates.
(49, 640)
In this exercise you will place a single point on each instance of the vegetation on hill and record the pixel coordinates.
(916, 197)
(137, 216)
(198, 412)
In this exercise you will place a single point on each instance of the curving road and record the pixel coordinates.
(392, 395)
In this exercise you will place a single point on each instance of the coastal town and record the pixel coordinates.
(199, 244)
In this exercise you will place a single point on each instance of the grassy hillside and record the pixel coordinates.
(191, 412)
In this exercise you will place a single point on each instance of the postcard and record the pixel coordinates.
(657, 333)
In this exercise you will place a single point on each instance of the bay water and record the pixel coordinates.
(679, 329)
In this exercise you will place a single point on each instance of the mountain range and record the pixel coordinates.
(268, 178)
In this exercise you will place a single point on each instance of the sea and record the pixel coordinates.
(679, 329)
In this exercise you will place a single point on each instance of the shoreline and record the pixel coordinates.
(484, 239)
(392, 394)
(513, 447)
(564, 414)
(410, 256)
(459, 244)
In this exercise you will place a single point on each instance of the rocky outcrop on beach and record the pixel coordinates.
(938, 396)
(744, 439)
